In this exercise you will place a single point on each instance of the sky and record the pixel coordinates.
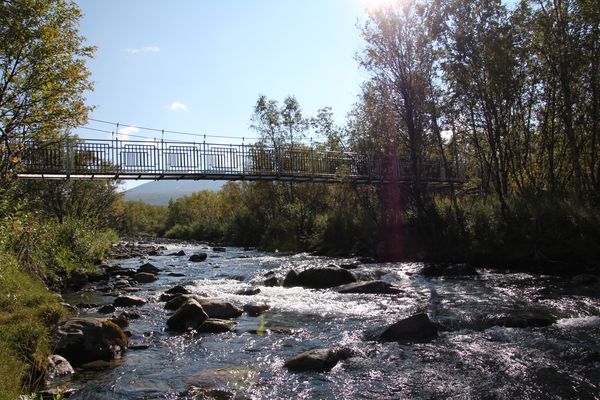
(199, 66)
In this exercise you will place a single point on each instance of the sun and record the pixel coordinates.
(374, 5)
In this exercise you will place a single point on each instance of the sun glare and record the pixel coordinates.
(374, 5)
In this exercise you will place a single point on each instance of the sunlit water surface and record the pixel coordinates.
(468, 360)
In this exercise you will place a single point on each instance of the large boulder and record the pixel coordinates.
(377, 287)
(189, 316)
(318, 360)
(82, 340)
(322, 277)
(128, 301)
(219, 309)
(149, 268)
(417, 328)
(451, 270)
(145, 277)
(198, 257)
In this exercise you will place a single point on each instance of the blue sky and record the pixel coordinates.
(199, 66)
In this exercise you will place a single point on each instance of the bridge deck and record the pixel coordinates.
(156, 160)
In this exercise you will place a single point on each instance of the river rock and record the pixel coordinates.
(107, 309)
(376, 287)
(58, 366)
(145, 277)
(180, 253)
(452, 270)
(417, 328)
(215, 325)
(291, 278)
(323, 277)
(255, 309)
(318, 360)
(82, 340)
(121, 322)
(272, 281)
(522, 319)
(219, 249)
(223, 383)
(178, 290)
(149, 268)
(189, 316)
(129, 301)
(251, 291)
(219, 309)
(179, 299)
(352, 265)
(198, 257)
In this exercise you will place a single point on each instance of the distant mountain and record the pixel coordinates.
(160, 192)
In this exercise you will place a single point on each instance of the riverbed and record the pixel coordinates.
(469, 359)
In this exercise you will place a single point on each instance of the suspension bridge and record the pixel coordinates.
(159, 159)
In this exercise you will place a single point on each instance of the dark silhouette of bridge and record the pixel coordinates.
(156, 160)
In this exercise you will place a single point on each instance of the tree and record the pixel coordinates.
(43, 74)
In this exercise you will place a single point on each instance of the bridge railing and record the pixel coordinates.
(128, 159)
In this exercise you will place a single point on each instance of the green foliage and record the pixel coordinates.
(44, 76)
(136, 218)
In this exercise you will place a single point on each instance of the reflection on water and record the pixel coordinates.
(470, 359)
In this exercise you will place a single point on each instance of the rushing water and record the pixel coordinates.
(468, 360)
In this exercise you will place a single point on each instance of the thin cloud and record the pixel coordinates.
(178, 106)
(124, 133)
(145, 49)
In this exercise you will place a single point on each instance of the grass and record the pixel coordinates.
(28, 313)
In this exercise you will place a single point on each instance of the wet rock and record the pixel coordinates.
(198, 257)
(452, 270)
(178, 300)
(222, 384)
(130, 315)
(149, 268)
(318, 360)
(324, 277)
(139, 346)
(255, 309)
(178, 290)
(219, 309)
(176, 274)
(180, 253)
(129, 301)
(107, 309)
(291, 279)
(522, 319)
(57, 393)
(98, 276)
(417, 328)
(214, 325)
(145, 277)
(58, 366)
(248, 291)
(272, 281)
(352, 265)
(120, 322)
(219, 249)
(82, 340)
(189, 316)
(376, 287)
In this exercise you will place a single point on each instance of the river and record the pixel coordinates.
(469, 359)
